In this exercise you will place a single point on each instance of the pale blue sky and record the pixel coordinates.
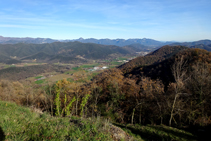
(164, 20)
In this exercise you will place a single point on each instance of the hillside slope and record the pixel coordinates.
(154, 57)
(163, 69)
(19, 73)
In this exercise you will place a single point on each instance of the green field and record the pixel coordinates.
(122, 58)
(76, 68)
(37, 77)
(116, 63)
(40, 81)
(7, 66)
(89, 65)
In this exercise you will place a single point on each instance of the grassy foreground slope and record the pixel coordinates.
(20, 123)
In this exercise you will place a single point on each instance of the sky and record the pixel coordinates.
(163, 20)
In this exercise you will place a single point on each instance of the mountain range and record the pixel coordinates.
(137, 43)
(189, 44)
(15, 50)
(123, 42)
(117, 42)
(15, 40)
(61, 52)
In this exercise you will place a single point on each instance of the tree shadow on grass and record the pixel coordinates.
(174, 132)
(203, 133)
(145, 135)
(2, 136)
(157, 133)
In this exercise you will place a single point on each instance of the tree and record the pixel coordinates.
(199, 85)
(179, 71)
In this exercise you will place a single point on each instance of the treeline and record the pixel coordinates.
(185, 100)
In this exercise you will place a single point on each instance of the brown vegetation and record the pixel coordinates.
(174, 92)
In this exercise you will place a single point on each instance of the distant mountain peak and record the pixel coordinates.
(151, 43)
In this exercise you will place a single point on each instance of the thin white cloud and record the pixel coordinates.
(22, 19)
(88, 26)
(20, 26)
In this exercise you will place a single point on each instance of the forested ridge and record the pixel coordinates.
(152, 58)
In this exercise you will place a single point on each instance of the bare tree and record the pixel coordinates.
(179, 72)
(200, 84)
(95, 95)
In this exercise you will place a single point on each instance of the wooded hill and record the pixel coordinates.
(175, 90)
(162, 68)
(60, 52)
(152, 58)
